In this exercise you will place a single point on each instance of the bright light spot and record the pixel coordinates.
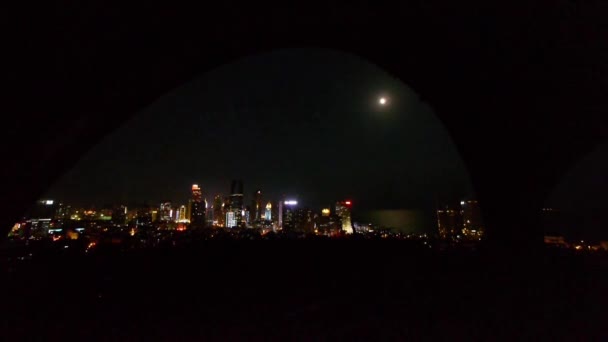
(291, 202)
(382, 101)
(49, 202)
(461, 202)
(347, 202)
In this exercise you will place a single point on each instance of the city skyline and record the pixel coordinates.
(306, 121)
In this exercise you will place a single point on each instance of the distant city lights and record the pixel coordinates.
(291, 202)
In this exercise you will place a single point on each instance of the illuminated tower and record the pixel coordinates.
(181, 217)
(268, 213)
(343, 211)
(197, 207)
(165, 211)
(234, 215)
(280, 216)
(288, 215)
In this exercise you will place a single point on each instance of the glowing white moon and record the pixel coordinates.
(382, 101)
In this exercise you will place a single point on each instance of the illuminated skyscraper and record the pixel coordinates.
(343, 211)
(268, 213)
(230, 219)
(236, 205)
(165, 211)
(209, 214)
(181, 217)
(197, 207)
(287, 215)
(280, 215)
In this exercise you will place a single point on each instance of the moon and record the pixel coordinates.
(382, 101)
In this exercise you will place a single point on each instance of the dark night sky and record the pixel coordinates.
(583, 192)
(305, 123)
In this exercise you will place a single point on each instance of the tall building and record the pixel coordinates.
(219, 216)
(165, 212)
(287, 215)
(257, 207)
(268, 212)
(280, 216)
(296, 219)
(343, 210)
(181, 216)
(197, 207)
(449, 223)
(472, 227)
(210, 214)
(236, 205)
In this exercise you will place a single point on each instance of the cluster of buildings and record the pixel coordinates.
(49, 217)
(463, 222)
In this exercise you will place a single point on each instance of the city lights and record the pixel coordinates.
(291, 202)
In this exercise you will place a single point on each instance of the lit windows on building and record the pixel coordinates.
(230, 219)
(449, 223)
(343, 210)
(472, 226)
(268, 213)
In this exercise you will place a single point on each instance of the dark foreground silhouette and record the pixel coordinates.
(244, 290)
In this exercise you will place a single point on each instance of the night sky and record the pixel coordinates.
(305, 123)
(583, 192)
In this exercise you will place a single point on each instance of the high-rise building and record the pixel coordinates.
(230, 219)
(449, 223)
(219, 216)
(197, 207)
(236, 204)
(181, 214)
(472, 226)
(209, 215)
(165, 212)
(247, 215)
(257, 207)
(287, 215)
(343, 210)
(280, 215)
(268, 213)
(296, 219)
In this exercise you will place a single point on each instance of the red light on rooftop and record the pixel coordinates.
(347, 202)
